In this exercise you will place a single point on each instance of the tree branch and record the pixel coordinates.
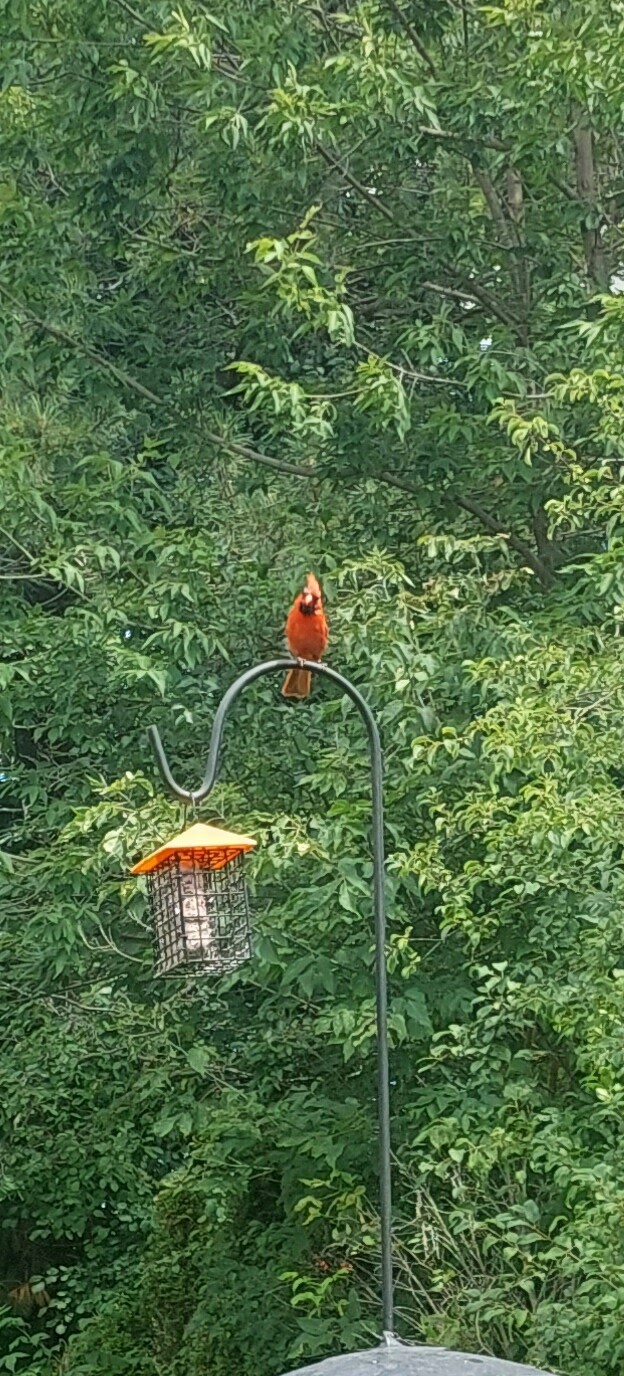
(488, 522)
(412, 373)
(452, 292)
(245, 451)
(133, 385)
(493, 202)
(568, 191)
(495, 307)
(449, 135)
(508, 228)
(479, 296)
(353, 181)
(123, 5)
(546, 548)
(586, 189)
(299, 470)
(413, 36)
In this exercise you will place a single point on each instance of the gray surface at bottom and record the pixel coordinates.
(396, 1360)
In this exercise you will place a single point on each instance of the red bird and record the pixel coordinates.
(307, 634)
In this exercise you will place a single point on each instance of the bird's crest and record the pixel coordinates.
(312, 585)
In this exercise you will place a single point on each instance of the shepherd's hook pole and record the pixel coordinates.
(184, 795)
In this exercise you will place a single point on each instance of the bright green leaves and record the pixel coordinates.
(532, 437)
(290, 268)
(184, 36)
(295, 111)
(380, 391)
(380, 73)
(413, 336)
(312, 416)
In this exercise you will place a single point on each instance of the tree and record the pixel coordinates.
(300, 286)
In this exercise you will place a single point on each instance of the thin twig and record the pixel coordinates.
(22, 548)
(485, 519)
(362, 190)
(413, 36)
(494, 306)
(565, 189)
(408, 372)
(449, 135)
(539, 568)
(452, 292)
(123, 5)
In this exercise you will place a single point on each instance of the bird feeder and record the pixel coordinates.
(198, 899)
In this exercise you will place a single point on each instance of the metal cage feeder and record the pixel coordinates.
(198, 900)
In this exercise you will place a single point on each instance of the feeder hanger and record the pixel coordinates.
(273, 666)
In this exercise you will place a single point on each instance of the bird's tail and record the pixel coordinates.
(297, 683)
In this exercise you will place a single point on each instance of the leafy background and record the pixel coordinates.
(300, 284)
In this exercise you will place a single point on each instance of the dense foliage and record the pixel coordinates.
(295, 284)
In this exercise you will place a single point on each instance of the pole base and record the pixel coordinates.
(393, 1358)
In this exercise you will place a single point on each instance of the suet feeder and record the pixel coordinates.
(198, 899)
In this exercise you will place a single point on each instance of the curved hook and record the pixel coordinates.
(270, 666)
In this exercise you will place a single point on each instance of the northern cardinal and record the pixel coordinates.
(307, 634)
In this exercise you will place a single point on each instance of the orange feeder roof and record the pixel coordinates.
(203, 847)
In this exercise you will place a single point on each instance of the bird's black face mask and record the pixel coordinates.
(308, 603)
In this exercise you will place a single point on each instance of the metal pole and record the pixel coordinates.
(184, 795)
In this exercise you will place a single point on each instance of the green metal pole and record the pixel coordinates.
(184, 795)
